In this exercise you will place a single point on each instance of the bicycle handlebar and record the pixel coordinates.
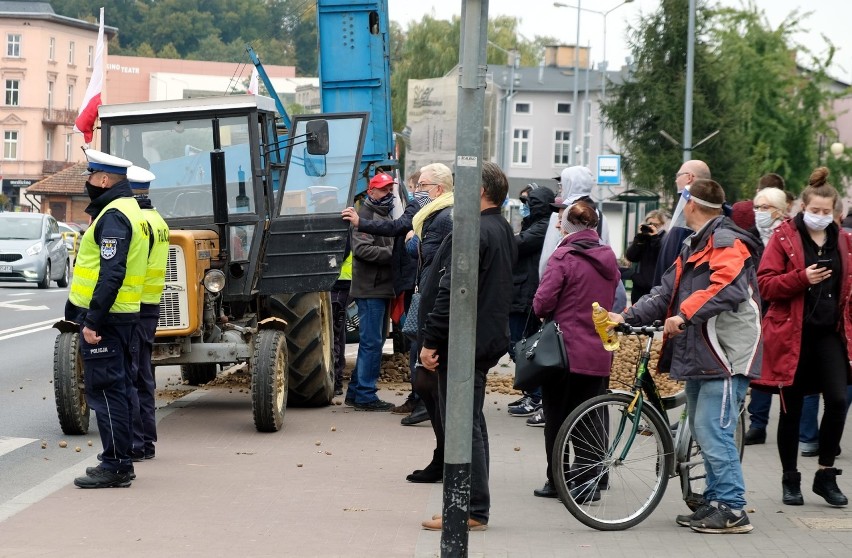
(639, 330)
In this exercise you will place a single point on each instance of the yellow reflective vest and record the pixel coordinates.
(158, 258)
(88, 264)
(346, 269)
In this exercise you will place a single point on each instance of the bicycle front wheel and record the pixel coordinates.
(601, 487)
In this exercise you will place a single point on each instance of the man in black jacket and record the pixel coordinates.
(530, 240)
(497, 255)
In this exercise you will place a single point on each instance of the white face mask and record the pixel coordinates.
(764, 219)
(817, 222)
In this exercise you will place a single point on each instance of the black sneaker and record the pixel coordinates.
(132, 473)
(722, 520)
(703, 511)
(518, 401)
(98, 477)
(525, 409)
(377, 405)
(349, 402)
(537, 419)
(418, 415)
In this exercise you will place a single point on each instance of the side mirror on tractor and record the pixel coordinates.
(317, 132)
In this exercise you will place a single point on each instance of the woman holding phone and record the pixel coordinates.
(804, 277)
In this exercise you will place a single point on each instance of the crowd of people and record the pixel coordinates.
(753, 298)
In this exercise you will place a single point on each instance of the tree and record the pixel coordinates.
(651, 99)
(768, 110)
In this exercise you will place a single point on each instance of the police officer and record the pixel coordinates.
(105, 297)
(144, 421)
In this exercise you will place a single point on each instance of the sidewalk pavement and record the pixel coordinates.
(332, 484)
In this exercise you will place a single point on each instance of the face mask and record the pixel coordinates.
(385, 201)
(422, 198)
(763, 219)
(94, 191)
(525, 210)
(817, 222)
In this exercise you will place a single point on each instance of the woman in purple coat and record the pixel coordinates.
(581, 271)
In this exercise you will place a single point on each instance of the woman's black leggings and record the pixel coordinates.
(823, 368)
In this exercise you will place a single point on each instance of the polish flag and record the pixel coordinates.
(252, 88)
(85, 122)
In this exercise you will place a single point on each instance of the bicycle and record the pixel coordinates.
(625, 451)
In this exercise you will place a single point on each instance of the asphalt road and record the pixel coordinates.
(27, 405)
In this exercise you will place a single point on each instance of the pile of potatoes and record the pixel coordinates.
(624, 365)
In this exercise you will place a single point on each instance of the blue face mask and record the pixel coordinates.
(525, 210)
(422, 198)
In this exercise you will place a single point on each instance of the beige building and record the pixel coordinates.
(46, 65)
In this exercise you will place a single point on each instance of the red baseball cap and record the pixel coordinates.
(380, 181)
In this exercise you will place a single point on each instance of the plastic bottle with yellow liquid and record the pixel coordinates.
(600, 317)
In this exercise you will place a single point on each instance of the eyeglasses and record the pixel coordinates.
(678, 175)
(92, 171)
(764, 207)
(421, 186)
(654, 224)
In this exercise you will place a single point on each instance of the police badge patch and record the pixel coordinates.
(109, 246)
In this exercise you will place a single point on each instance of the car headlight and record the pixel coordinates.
(35, 248)
(214, 280)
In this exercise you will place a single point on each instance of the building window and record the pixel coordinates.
(91, 59)
(49, 95)
(523, 108)
(48, 146)
(13, 45)
(70, 101)
(12, 92)
(562, 147)
(521, 147)
(68, 147)
(10, 145)
(71, 53)
(51, 49)
(563, 108)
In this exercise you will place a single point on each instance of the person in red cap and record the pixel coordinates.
(372, 289)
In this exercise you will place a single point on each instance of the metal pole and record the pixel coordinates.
(690, 74)
(576, 104)
(508, 145)
(603, 89)
(465, 276)
(587, 118)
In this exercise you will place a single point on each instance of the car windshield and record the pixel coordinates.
(19, 229)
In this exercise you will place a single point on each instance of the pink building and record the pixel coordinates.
(47, 64)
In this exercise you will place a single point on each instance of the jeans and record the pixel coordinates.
(714, 407)
(371, 315)
(809, 425)
(758, 409)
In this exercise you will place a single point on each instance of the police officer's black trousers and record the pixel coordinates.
(107, 375)
(144, 396)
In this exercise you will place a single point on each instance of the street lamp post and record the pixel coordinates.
(513, 60)
(577, 64)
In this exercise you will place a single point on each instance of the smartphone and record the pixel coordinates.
(824, 263)
(645, 228)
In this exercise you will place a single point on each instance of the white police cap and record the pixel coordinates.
(139, 178)
(104, 162)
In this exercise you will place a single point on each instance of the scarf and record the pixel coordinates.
(439, 203)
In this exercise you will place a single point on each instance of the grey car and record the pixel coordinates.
(32, 250)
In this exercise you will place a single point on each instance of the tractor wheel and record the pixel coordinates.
(310, 344)
(68, 388)
(269, 380)
(198, 374)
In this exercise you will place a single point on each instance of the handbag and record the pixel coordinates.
(412, 315)
(540, 357)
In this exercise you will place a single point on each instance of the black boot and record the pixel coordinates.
(825, 484)
(791, 482)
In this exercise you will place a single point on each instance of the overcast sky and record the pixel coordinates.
(540, 17)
